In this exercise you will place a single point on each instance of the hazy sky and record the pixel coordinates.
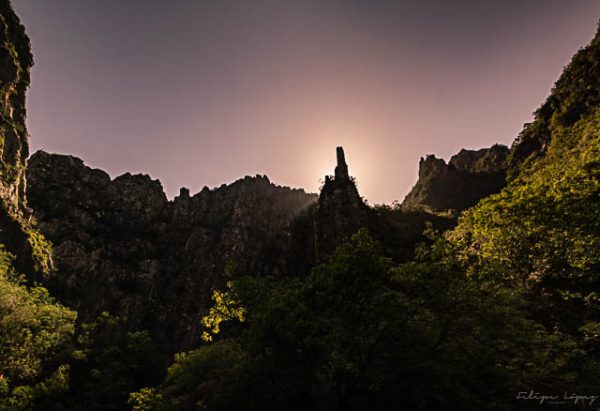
(201, 93)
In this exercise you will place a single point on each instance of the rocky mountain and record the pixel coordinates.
(121, 246)
(468, 177)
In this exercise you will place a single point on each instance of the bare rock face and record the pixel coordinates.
(15, 62)
(469, 176)
(17, 233)
(121, 246)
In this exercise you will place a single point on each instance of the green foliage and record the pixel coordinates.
(206, 378)
(34, 331)
(109, 363)
(484, 324)
(225, 308)
(359, 333)
(146, 399)
(575, 95)
(543, 231)
(41, 248)
(541, 237)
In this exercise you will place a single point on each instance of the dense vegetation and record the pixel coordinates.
(35, 332)
(47, 362)
(359, 333)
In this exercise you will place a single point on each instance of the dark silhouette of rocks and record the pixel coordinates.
(468, 177)
(121, 246)
(340, 209)
(341, 169)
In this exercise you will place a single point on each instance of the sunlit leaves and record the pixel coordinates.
(224, 308)
(33, 329)
(545, 224)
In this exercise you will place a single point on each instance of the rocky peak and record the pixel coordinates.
(184, 193)
(431, 165)
(341, 169)
(469, 176)
(340, 210)
(485, 160)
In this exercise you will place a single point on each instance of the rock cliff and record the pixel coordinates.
(121, 246)
(15, 63)
(17, 234)
(469, 176)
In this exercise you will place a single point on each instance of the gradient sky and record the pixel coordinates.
(201, 93)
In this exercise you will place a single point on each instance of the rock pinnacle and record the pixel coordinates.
(341, 170)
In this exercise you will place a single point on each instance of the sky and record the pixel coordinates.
(201, 93)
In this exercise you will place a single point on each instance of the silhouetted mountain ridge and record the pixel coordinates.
(469, 176)
(121, 246)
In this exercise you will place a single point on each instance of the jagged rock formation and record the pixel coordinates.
(121, 246)
(469, 176)
(575, 94)
(16, 232)
(340, 210)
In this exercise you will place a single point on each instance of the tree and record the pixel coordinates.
(358, 333)
(35, 333)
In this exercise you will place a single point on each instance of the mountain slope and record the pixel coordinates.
(542, 232)
(574, 95)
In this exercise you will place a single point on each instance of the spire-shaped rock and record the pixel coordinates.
(341, 170)
(341, 211)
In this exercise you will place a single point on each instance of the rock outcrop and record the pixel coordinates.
(447, 186)
(468, 177)
(17, 234)
(15, 63)
(340, 210)
(121, 246)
